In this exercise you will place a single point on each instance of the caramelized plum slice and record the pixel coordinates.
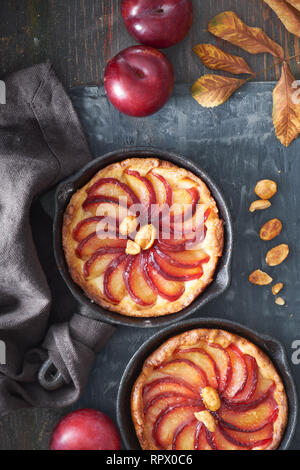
(222, 361)
(111, 187)
(165, 385)
(186, 259)
(252, 377)
(184, 436)
(169, 420)
(203, 360)
(105, 206)
(141, 187)
(161, 263)
(250, 439)
(93, 243)
(136, 285)
(250, 420)
(113, 284)
(185, 369)
(162, 189)
(238, 376)
(201, 441)
(92, 225)
(221, 442)
(170, 290)
(100, 260)
(184, 205)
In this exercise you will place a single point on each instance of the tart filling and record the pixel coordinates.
(143, 237)
(209, 390)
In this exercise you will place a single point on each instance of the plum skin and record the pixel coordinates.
(85, 429)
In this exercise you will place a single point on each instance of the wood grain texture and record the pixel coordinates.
(79, 36)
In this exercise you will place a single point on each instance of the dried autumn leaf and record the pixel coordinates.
(277, 255)
(289, 16)
(286, 113)
(260, 278)
(212, 90)
(216, 59)
(294, 3)
(229, 26)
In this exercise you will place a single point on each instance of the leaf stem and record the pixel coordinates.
(287, 59)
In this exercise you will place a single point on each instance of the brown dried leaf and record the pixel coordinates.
(289, 15)
(294, 3)
(259, 205)
(265, 189)
(260, 278)
(212, 90)
(277, 255)
(229, 26)
(270, 229)
(286, 111)
(216, 59)
(277, 288)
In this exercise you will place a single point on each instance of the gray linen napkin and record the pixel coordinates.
(41, 142)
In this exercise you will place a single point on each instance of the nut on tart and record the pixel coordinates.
(143, 237)
(208, 389)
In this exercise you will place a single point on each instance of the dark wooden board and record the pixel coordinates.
(78, 36)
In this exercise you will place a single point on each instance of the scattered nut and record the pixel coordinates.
(277, 288)
(260, 278)
(207, 419)
(259, 205)
(280, 301)
(265, 189)
(277, 255)
(132, 248)
(270, 229)
(146, 236)
(211, 398)
(128, 225)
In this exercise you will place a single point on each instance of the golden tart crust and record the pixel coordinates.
(177, 178)
(149, 400)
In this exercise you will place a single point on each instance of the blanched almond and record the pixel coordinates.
(270, 229)
(277, 255)
(277, 288)
(265, 189)
(146, 236)
(280, 301)
(207, 419)
(260, 278)
(128, 225)
(132, 248)
(259, 205)
(211, 399)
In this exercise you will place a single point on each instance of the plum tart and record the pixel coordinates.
(209, 390)
(143, 237)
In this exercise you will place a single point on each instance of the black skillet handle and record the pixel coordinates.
(49, 377)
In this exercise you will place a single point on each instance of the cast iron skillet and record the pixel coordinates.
(49, 377)
(269, 345)
(63, 195)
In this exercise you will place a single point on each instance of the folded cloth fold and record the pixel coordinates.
(41, 142)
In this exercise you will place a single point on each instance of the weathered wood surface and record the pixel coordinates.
(79, 36)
